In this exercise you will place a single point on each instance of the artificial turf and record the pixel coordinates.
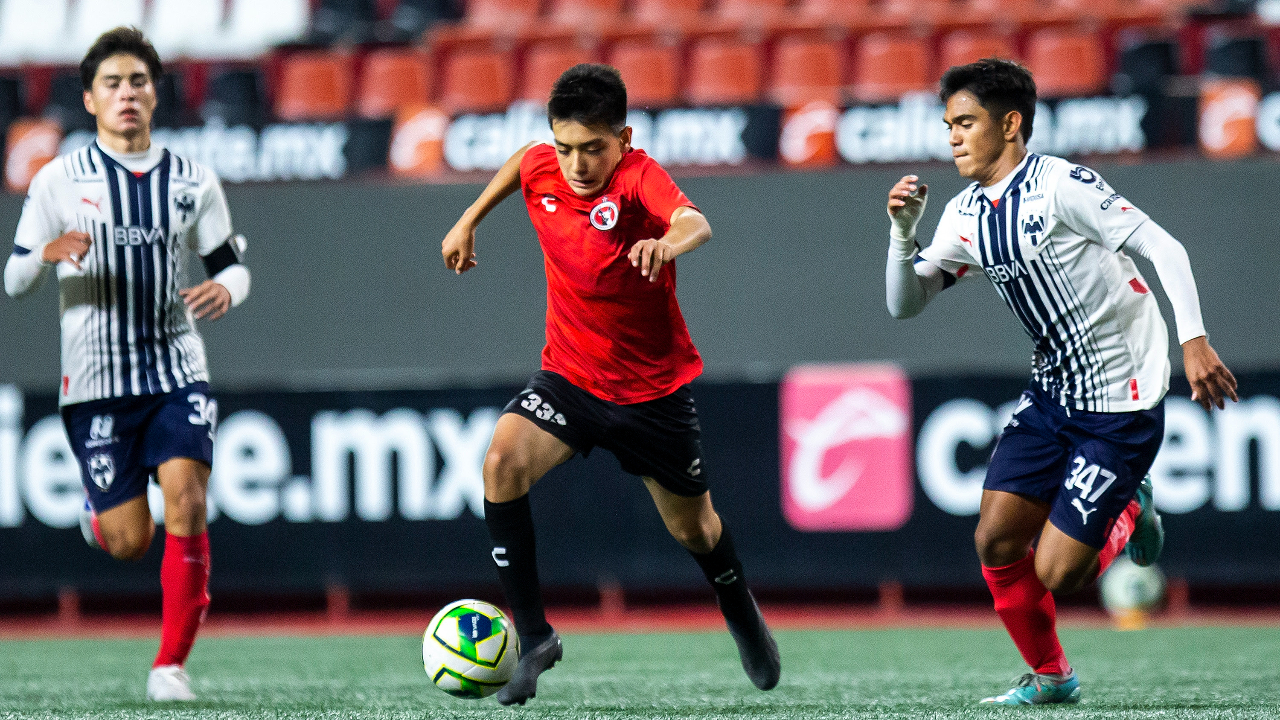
(1201, 672)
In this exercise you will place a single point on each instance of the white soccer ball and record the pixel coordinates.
(470, 649)
(1127, 586)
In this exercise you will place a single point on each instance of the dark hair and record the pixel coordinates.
(122, 40)
(999, 85)
(590, 94)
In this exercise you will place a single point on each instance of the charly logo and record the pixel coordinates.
(185, 205)
(604, 215)
(101, 431)
(102, 470)
(859, 414)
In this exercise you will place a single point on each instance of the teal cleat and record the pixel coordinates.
(1147, 539)
(1033, 689)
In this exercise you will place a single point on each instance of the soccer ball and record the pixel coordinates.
(470, 649)
(1128, 587)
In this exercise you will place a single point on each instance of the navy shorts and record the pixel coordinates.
(659, 438)
(1086, 465)
(119, 442)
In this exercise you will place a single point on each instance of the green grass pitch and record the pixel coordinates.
(1203, 672)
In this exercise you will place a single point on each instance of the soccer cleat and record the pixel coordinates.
(533, 662)
(169, 683)
(756, 647)
(1147, 539)
(89, 526)
(1033, 689)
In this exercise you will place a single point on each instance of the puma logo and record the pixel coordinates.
(1084, 514)
(97, 204)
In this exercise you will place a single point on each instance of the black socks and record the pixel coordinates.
(724, 572)
(511, 528)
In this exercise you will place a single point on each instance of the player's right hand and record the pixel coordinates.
(906, 204)
(458, 248)
(71, 247)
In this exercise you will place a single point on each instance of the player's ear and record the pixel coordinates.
(1012, 126)
(625, 138)
(88, 102)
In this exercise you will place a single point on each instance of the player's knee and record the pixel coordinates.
(187, 507)
(505, 474)
(694, 535)
(1062, 579)
(995, 549)
(131, 543)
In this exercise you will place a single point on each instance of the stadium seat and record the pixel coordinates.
(839, 11)
(544, 62)
(10, 101)
(184, 28)
(1241, 57)
(477, 80)
(91, 18)
(724, 71)
(752, 11)
(347, 21)
(254, 27)
(392, 79)
(585, 11)
(963, 47)
(410, 18)
(314, 85)
(651, 71)
(33, 31)
(235, 97)
(805, 69)
(1067, 63)
(887, 67)
(501, 13)
(66, 103)
(1145, 67)
(171, 110)
(665, 11)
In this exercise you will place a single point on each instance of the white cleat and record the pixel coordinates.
(169, 683)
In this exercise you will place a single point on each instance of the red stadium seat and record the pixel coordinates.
(888, 66)
(588, 11)
(477, 80)
(664, 11)
(651, 71)
(1067, 63)
(963, 47)
(392, 79)
(806, 69)
(751, 10)
(725, 71)
(544, 62)
(501, 13)
(314, 85)
(835, 10)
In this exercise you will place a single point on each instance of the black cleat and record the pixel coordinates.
(533, 662)
(756, 647)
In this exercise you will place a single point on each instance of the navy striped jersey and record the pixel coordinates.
(125, 329)
(1050, 243)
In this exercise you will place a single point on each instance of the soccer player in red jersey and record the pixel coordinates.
(618, 358)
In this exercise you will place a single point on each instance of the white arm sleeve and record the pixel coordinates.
(236, 280)
(909, 284)
(1174, 268)
(37, 226)
(25, 271)
(213, 225)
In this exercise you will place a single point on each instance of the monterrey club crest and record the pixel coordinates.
(604, 215)
(102, 470)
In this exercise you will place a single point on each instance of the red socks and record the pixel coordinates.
(184, 581)
(1119, 535)
(1026, 608)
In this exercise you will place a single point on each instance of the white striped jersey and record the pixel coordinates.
(125, 329)
(1051, 247)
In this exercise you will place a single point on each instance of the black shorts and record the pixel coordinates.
(658, 438)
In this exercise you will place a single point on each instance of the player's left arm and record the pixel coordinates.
(1211, 381)
(1090, 207)
(223, 254)
(689, 230)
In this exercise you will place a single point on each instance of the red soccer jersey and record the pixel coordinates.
(610, 331)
